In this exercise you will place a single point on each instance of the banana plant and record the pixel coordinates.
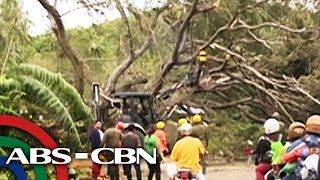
(50, 92)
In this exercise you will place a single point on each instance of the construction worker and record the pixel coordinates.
(199, 130)
(181, 122)
(186, 154)
(204, 76)
(162, 137)
(196, 75)
(202, 57)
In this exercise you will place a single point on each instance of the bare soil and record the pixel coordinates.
(225, 171)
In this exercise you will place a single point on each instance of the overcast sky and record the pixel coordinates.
(40, 23)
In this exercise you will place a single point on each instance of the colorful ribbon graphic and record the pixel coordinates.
(39, 134)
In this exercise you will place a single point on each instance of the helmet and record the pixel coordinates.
(186, 129)
(271, 126)
(296, 130)
(203, 56)
(120, 126)
(313, 124)
(202, 53)
(275, 115)
(160, 125)
(182, 121)
(196, 118)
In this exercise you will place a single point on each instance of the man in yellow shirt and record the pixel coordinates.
(186, 154)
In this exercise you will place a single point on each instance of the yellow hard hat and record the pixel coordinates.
(182, 121)
(196, 118)
(203, 53)
(203, 56)
(160, 125)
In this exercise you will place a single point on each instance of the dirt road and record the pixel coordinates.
(233, 171)
(230, 171)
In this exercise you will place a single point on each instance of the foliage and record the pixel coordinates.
(233, 132)
(55, 98)
(12, 33)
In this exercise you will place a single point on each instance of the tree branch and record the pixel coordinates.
(251, 116)
(123, 66)
(84, 6)
(59, 30)
(133, 83)
(217, 46)
(266, 92)
(263, 42)
(244, 25)
(126, 22)
(175, 54)
(113, 78)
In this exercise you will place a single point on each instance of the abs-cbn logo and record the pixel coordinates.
(61, 156)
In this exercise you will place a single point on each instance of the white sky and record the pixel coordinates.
(40, 23)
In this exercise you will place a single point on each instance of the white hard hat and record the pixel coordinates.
(271, 126)
(186, 129)
(275, 115)
(71, 171)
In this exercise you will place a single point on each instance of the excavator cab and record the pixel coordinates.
(127, 107)
(135, 107)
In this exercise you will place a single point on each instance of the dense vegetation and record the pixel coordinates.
(38, 77)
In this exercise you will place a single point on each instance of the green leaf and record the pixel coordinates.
(43, 96)
(4, 110)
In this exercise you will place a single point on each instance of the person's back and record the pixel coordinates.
(310, 168)
(112, 138)
(186, 153)
(200, 131)
(94, 139)
(150, 143)
(141, 137)
(131, 140)
(263, 147)
(161, 135)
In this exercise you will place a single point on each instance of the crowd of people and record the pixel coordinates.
(187, 152)
(291, 157)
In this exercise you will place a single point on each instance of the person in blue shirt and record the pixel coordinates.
(95, 138)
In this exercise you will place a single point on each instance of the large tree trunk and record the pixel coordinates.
(59, 30)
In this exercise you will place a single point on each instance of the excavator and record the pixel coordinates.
(139, 108)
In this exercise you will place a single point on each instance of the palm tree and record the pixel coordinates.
(49, 92)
